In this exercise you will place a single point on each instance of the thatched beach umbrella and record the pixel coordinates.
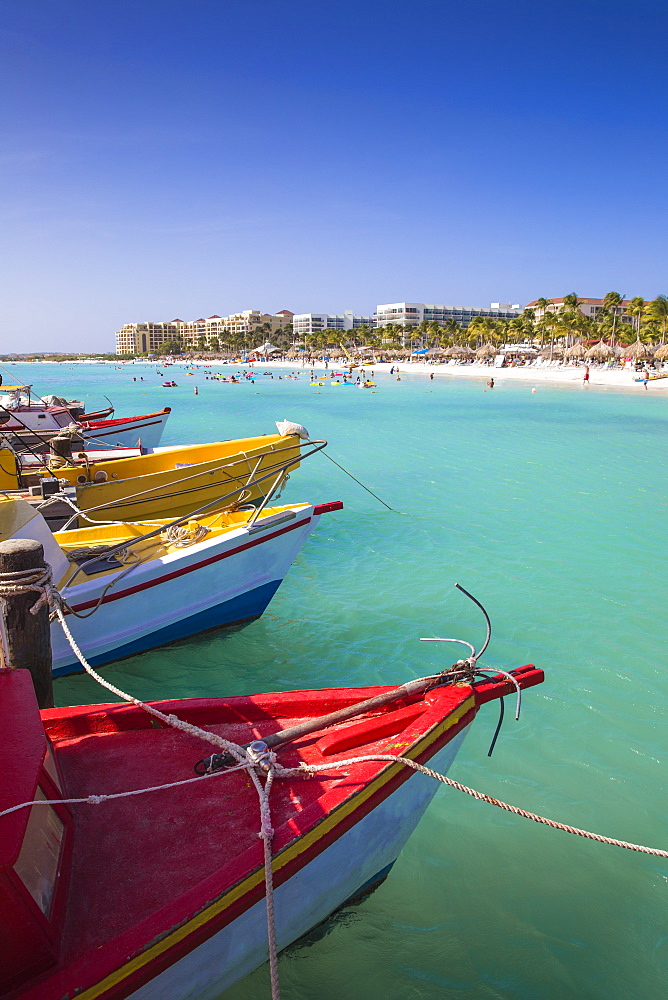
(486, 351)
(517, 349)
(601, 352)
(577, 351)
(638, 350)
(551, 351)
(456, 351)
(662, 353)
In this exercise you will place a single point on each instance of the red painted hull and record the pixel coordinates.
(155, 877)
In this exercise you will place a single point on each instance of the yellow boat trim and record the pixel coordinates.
(288, 854)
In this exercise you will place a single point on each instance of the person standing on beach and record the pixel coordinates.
(586, 375)
(645, 377)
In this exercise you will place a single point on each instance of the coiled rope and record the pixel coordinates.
(183, 535)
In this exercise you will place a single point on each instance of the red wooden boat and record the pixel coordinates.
(160, 896)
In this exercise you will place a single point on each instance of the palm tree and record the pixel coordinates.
(516, 329)
(423, 331)
(658, 311)
(542, 304)
(478, 328)
(450, 331)
(570, 322)
(434, 335)
(406, 333)
(390, 333)
(611, 303)
(571, 302)
(637, 310)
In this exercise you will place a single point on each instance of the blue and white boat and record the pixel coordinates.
(132, 586)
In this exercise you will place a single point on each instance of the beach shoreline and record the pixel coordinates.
(623, 378)
(618, 378)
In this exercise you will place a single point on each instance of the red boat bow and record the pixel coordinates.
(143, 882)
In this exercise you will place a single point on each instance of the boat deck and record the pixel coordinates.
(200, 839)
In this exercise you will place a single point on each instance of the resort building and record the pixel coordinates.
(413, 313)
(306, 324)
(201, 334)
(253, 327)
(588, 307)
(139, 338)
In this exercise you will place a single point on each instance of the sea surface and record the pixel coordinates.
(550, 507)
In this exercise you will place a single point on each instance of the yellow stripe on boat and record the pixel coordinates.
(289, 853)
(173, 482)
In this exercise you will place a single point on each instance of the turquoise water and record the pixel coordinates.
(550, 508)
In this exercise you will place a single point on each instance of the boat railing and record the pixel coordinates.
(276, 472)
(247, 486)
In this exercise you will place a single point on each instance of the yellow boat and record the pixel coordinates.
(172, 482)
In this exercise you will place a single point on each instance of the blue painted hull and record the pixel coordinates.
(223, 580)
(240, 610)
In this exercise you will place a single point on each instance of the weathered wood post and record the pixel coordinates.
(26, 638)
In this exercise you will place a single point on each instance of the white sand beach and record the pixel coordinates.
(619, 377)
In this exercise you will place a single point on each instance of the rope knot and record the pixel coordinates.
(464, 670)
(40, 580)
(259, 754)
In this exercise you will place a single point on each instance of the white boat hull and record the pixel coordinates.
(308, 897)
(146, 431)
(36, 426)
(226, 580)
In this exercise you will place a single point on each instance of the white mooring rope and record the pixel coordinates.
(256, 759)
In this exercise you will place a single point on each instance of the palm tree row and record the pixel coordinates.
(649, 322)
(539, 326)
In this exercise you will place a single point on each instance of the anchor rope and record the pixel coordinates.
(256, 759)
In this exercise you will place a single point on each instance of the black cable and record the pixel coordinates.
(498, 728)
(489, 624)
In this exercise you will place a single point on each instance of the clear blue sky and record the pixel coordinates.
(163, 158)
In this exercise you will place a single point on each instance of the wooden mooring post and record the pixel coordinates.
(26, 637)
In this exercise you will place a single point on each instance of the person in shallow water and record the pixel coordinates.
(491, 383)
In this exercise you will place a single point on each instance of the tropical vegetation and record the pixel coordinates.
(555, 324)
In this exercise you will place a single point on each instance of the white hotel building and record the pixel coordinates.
(413, 313)
(403, 313)
(305, 324)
